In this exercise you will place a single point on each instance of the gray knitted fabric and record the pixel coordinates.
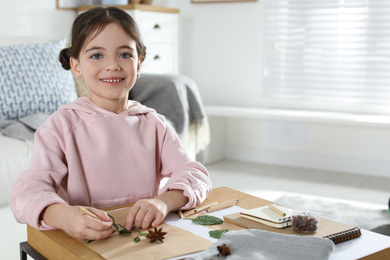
(258, 244)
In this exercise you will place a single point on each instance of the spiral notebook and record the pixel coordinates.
(335, 231)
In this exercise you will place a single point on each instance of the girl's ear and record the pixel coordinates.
(75, 66)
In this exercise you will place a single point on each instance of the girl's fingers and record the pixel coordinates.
(158, 219)
(96, 229)
(101, 214)
(93, 234)
(145, 213)
(140, 218)
(99, 220)
(147, 219)
(99, 225)
(131, 216)
(90, 228)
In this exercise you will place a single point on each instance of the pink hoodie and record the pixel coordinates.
(85, 155)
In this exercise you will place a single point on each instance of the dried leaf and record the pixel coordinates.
(137, 239)
(124, 230)
(217, 233)
(113, 223)
(207, 220)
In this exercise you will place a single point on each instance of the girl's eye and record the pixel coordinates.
(126, 55)
(96, 56)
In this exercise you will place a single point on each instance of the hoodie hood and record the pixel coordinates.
(84, 105)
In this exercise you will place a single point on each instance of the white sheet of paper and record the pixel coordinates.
(199, 230)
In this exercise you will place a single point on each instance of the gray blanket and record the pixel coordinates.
(251, 244)
(174, 96)
(23, 128)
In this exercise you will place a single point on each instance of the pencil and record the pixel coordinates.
(197, 210)
(276, 210)
(88, 213)
(226, 202)
(204, 207)
(221, 206)
(180, 213)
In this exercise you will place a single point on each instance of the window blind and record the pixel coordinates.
(327, 54)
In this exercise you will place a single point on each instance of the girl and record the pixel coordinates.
(105, 150)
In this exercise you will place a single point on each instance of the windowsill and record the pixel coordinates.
(299, 115)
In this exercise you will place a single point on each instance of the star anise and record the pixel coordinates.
(223, 250)
(156, 235)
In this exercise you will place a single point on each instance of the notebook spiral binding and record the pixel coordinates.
(345, 235)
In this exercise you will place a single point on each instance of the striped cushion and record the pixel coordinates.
(32, 79)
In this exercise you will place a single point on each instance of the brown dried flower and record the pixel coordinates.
(156, 235)
(223, 250)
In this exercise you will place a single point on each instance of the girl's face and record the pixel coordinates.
(109, 64)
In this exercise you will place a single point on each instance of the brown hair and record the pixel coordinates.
(89, 24)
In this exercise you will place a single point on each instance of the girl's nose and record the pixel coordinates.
(113, 65)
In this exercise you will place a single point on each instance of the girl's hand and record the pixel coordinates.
(145, 213)
(151, 212)
(76, 224)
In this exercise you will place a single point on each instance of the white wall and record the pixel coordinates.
(219, 48)
(37, 18)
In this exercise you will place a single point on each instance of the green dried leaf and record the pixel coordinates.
(137, 239)
(115, 226)
(113, 220)
(124, 230)
(207, 220)
(143, 234)
(121, 226)
(217, 233)
(113, 223)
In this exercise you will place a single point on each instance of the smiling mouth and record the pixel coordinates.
(112, 80)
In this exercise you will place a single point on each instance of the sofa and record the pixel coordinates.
(33, 85)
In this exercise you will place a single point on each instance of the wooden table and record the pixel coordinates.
(56, 244)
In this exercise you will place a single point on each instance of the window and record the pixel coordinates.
(327, 55)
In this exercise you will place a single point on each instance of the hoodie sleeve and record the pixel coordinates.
(184, 173)
(39, 186)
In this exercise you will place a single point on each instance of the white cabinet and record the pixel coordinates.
(159, 31)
